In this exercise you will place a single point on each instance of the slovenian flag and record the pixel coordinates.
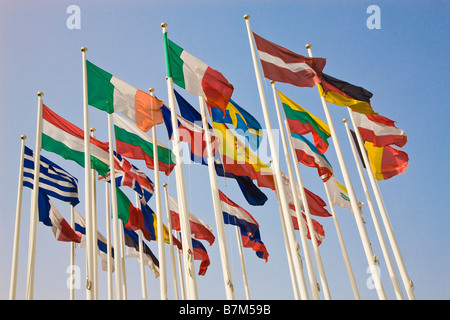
(249, 227)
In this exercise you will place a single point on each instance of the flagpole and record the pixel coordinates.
(160, 229)
(241, 255)
(342, 244)
(276, 163)
(141, 256)
(407, 282)
(188, 253)
(229, 289)
(376, 223)
(34, 204)
(180, 267)
(94, 226)
(15, 256)
(108, 244)
(90, 295)
(172, 255)
(122, 258)
(115, 215)
(353, 200)
(72, 254)
(301, 225)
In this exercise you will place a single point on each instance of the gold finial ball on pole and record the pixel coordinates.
(40, 94)
(272, 81)
(344, 120)
(308, 46)
(246, 17)
(23, 137)
(163, 25)
(83, 49)
(151, 90)
(92, 129)
(164, 185)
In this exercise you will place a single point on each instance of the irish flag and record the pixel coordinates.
(302, 122)
(196, 77)
(108, 93)
(133, 143)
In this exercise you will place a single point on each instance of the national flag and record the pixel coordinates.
(151, 224)
(379, 130)
(386, 161)
(308, 154)
(251, 192)
(128, 175)
(248, 226)
(108, 93)
(102, 243)
(344, 94)
(243, 122)
(199, 229)
(319, 231)
(196, 77)
(315, 203)
(53, 180)
(50, 216)
(283, 65)
(339, 194)
(63, 138)
(201, 254)
(302, 122)
(131, 241)
(133, 143)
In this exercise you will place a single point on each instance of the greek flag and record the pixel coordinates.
(53, 180)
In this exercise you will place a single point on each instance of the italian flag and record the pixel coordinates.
(136, 144)
(108, 93)
(196, 77)
(63, 138)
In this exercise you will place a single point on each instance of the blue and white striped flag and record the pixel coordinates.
(53, 180)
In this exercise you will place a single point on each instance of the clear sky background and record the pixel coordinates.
(404, 64)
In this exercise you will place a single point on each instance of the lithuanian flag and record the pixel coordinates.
(303, 122)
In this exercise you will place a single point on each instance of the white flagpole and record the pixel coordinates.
(108, 244)
(34, 204)
(141, 257)
(276, 163)
(353, 200)
(115, 216)
(407, 282)
(384, 248)
(15, 255)
(94, 226)
(342, 244)
(72, 255)
(122, 258)
(188, 253)
(226, 271)
(180, 271)
(90, 291)
(159, 223)
(301, 225)
(172, 255)
(241, 255)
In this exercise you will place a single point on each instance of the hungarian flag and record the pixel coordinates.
(379, 130)
(133, 143)
(344, 94)
(110, 94)
(199, 229)
(283, 65)
(197, 78)
(302, 122)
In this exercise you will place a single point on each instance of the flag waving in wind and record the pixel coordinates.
(196, 77)
(283, 65)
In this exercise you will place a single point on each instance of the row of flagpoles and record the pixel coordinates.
(286, 198)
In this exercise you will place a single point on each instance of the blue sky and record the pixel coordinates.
(404, 64)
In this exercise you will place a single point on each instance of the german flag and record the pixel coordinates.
(344, 94)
